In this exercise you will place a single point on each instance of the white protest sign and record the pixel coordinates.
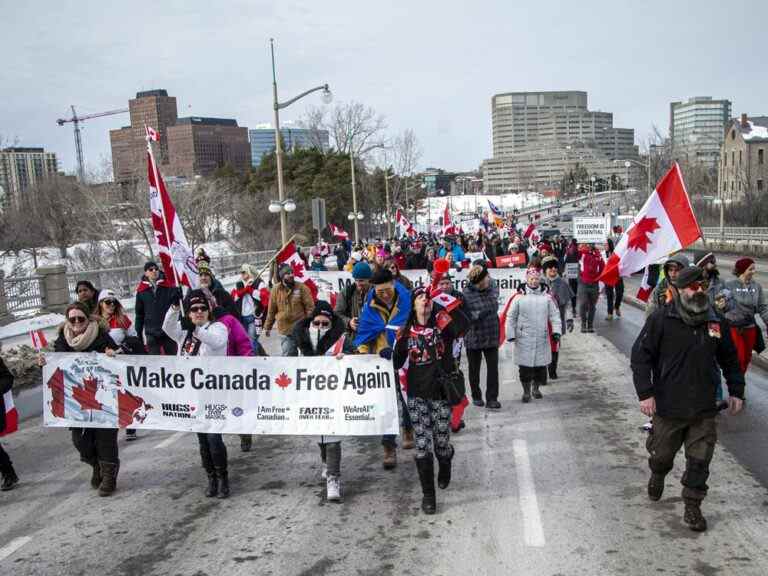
(591, 229)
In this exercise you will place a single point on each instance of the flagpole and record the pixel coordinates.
(162, 209)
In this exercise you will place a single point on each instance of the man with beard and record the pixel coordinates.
(289, 302)
(671, 365)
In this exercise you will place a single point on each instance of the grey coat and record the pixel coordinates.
(528, 320)
(747, 300)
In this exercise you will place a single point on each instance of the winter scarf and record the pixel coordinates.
(690, 318)
(80, 342)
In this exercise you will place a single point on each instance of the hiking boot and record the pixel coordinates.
(655, 486)
(390, 458)
(130, 435)
(9, 480)
(526, 393)
(95, 476)
(478, 402)
(408, 442)
(693, 516)
(426, 468)
(246, 441)
(108, 478)
(536, 392)
(493, 405)
(223, 477)
(333, 488)
(444, 470)
(213, 485)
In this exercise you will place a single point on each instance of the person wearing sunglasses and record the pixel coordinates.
(316, 336)
(671, 365)
(201, 335)
(97, 446)
(153, 299)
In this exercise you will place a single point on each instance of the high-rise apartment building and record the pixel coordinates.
(263, 140)
(538, 135)
(193, 146)
(697, 128)
(21, 168)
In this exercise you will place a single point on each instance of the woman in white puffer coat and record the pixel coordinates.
(533, 318)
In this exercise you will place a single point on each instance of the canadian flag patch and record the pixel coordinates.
(714, 329)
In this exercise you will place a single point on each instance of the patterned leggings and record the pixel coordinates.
(431, 426)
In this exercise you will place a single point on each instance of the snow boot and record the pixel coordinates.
(223, 477)
(526, 392)
(426, 468)
(693, 516)
(213, 485)
(444, 469)
(655, 486)
(108, 478)
(536, 391)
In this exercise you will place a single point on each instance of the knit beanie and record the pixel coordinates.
(741, 265)
(362, 271)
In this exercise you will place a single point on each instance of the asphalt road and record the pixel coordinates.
(555, 487)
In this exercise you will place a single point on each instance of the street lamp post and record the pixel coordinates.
(277, 106)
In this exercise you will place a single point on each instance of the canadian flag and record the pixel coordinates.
(404, 224)
(175, 254)
(289, 255)
(647, 284)
(338, 232)
(11, 415)
(448, 302)
(531, 234)
(448, 227)
(665, 224)
(38, 339)
(152, 134)
(337, 348)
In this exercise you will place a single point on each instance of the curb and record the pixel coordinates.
(757, 359)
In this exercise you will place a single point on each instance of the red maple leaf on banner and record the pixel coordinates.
(86, 396)
(56, 384)
(283, 381)
(298, 269)
(638, 238)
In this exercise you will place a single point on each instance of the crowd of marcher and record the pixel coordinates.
(698, 326)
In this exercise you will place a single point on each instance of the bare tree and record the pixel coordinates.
(314, 120)
(356, 129)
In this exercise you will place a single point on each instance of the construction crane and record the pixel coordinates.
(78, 142)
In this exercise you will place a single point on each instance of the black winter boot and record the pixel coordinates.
(108, 478)
(95, 475)
(526, 392)
(553, 366)
(9, 480)
(426, 468)
(213, 485)
(693, 516)
(246, 441)
(223, 477)
(444, 470)
(536, 392)
(655, 486)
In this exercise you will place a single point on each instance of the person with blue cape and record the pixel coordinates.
(386, 309)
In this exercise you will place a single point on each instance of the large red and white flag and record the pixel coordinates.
(175, 254)
(404, 224)
(664, 225)
(448, 227)
(289, 255)
(11, 415)
(339, 232)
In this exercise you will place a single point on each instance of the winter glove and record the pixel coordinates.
(386, 353)
(556, 337)
(569, 324)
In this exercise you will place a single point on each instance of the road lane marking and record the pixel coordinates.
(170, 440)
(529, 505)
(12, 546)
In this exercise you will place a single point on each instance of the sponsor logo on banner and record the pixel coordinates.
(237, 412)
(215, 411)
(178, 410)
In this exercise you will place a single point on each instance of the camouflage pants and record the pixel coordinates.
(699, 437)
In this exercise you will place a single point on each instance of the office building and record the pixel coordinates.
(263, 140)
(743, 164)
(188, 147)
(21, 168)
(538, 136)
(696, 129)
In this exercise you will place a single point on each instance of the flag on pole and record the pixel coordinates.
(337, 348)
(648, 283)
(531, 234)
(448, 227)
(338, 232)
(664, 225)
(152, 134)
(289, 255)
(446, 301)
(495, 209)
(38, 339)
(175, 254)
(404, 224)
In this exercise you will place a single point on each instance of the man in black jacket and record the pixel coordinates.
(671, 366)
(153, 298)
(9, 478)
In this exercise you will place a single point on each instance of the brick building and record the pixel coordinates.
(744, 158)
(188, 147)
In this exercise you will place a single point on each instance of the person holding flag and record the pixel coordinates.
(8, 474)
(154, 296)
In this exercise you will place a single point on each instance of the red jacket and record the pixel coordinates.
(592, 265)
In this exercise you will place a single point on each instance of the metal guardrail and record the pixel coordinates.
(23, 293)
(736, 234)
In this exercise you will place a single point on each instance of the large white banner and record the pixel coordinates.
(507, 279)
(354, 396)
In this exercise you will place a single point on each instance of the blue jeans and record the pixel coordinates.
(288, 346)
(249, 323)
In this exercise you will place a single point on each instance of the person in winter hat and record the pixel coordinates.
(154, 297)
(201, 335)
(561, 292)
(350, 302)
(708, 263)
(662, 294)
(533, 318)
(671, 364)
(316, 335)
(289, 302)
(747, 302)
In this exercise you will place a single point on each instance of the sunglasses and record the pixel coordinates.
(152, 269)
(198, 309)
(695, 286)
(77, 319)
(110, 302)
(320, 324)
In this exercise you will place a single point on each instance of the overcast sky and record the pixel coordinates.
(429, 65)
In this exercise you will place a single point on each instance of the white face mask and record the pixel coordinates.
(315, 334)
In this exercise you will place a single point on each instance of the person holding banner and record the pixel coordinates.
(201, 335)
(319, 335)
(289, 302)
(81, 332)
(481, 299)
(425, 343)
(8, 474)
